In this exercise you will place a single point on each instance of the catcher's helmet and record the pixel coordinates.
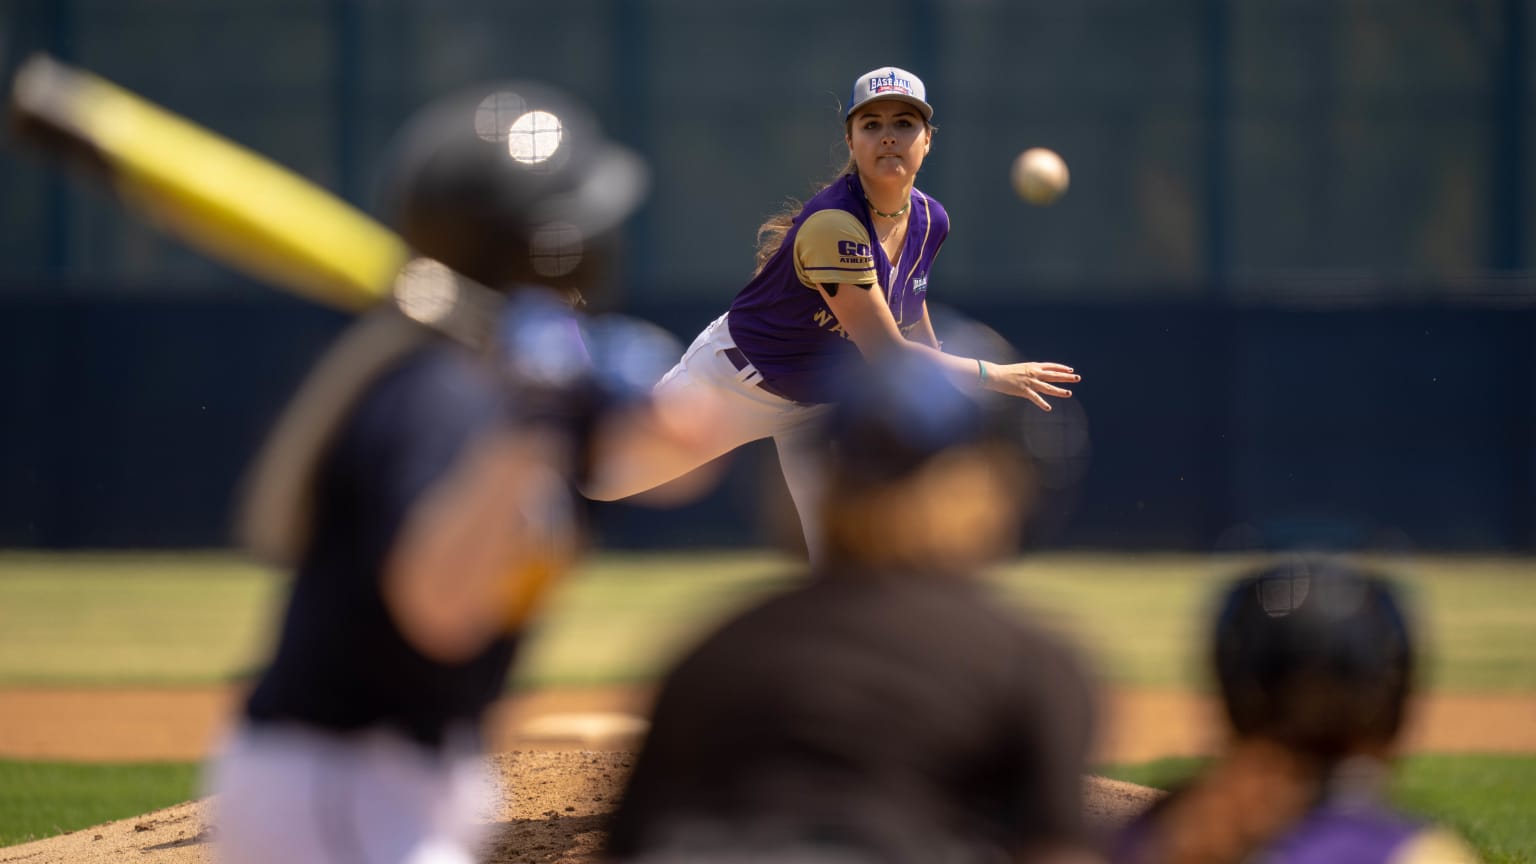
(1315, 655)
(511, 183)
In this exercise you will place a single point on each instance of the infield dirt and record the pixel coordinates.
(124, 725)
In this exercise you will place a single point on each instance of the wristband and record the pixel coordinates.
(982, 368)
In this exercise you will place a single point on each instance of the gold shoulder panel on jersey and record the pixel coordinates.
(832, 246)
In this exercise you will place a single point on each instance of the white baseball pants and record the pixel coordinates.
(748, 414)
(291, 795)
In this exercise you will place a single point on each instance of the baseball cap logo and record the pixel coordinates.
(890, 83)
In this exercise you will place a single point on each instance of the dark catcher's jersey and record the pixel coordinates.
(340, 663)
(899, 718)
(779, 319)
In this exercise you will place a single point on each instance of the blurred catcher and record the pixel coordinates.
(1315, 664)
(888, 709)
(420, 485)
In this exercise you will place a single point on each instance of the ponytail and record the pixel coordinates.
(1234, 808)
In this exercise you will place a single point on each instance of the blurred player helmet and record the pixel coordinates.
(892, 417)
(511, 183)
(1315, 655)
(920, 476)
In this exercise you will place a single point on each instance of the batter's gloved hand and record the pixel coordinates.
(570, 371)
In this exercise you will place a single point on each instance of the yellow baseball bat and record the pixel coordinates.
(222, 199)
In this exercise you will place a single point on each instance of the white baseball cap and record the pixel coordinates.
(890, 82)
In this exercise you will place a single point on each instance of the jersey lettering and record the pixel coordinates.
(827, 321)
(851, 252)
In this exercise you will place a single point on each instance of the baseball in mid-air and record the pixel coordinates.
(1040, 176)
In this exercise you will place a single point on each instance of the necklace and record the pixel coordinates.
(879, 212)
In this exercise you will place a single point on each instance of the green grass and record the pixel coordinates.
(1143, 619)
(131, 619)
(74, 620)
(1491, 800)
(624, 619)
(1488, 800)
(43, 799)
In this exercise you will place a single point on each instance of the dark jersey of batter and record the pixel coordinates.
(904, 718)
(341, 664)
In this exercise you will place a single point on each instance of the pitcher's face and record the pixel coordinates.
(889, 140)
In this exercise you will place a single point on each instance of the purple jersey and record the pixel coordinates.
(1328, 834)
(780, 321)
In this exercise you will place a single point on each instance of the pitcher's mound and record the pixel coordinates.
(584, 730)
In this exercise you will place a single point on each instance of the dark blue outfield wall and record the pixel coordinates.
(127, 423)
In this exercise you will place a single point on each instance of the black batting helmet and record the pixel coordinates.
(1315, 655)
(511, 183)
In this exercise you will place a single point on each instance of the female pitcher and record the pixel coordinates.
(844, 278)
